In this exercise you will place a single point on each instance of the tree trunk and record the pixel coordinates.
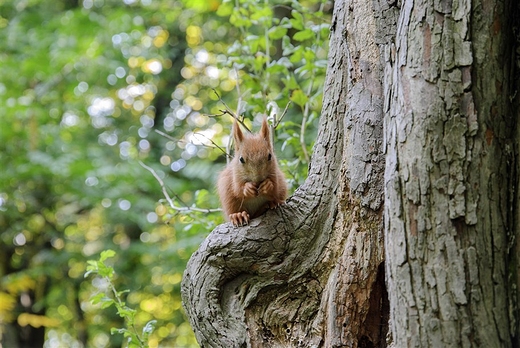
(451, 176)
(417, 116)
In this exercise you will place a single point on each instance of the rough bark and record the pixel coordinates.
(450, 176)
(418, 113)
(310, 274)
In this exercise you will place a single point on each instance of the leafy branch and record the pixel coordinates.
(134, 338)
(283, 42)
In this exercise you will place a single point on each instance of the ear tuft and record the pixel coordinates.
(237, 133)
(264, 131)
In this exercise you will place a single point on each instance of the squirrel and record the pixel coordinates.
(252, 182)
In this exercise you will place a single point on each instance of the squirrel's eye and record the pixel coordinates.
(242, 159)
(269, 157)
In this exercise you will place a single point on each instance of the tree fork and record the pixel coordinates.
(311, 272)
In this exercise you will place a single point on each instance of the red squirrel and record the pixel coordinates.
(252, 182)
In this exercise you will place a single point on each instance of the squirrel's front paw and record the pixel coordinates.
(239, 219)
(250, 190)
(266, 187)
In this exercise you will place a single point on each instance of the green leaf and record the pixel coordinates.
(225, 9)
(276, 68)
(297, 20)
(126, 312)
(91, 268)
(106, 302)
(259, 62)
(276, 33)
(119, 293)
(297, 55)
(105, 271)
(291, 83)
(253, 41)
(106, 255)
(298, 97)
(303, 35)
(309, 55)
(239, 21)
(264, 13)
(97, 298)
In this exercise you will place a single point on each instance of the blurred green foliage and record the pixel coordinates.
(105, 105)
(115, 298)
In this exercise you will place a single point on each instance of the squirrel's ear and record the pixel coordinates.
(264, 131)
(237, 133)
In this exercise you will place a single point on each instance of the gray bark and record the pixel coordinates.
(450, 176)
(418, 129)
(309, 274)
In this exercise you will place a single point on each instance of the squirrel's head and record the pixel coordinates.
(254, 155)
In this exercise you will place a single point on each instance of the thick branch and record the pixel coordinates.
(233, 265)
(309, 273)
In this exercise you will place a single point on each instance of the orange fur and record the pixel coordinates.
(252, 182)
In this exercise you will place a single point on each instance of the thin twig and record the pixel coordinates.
(167, 136)
(239, 95)
(230, 112)
(120, 306)
(282, 115)
(228, 109)
(222, 113)
(215, 144)
(170, 200)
